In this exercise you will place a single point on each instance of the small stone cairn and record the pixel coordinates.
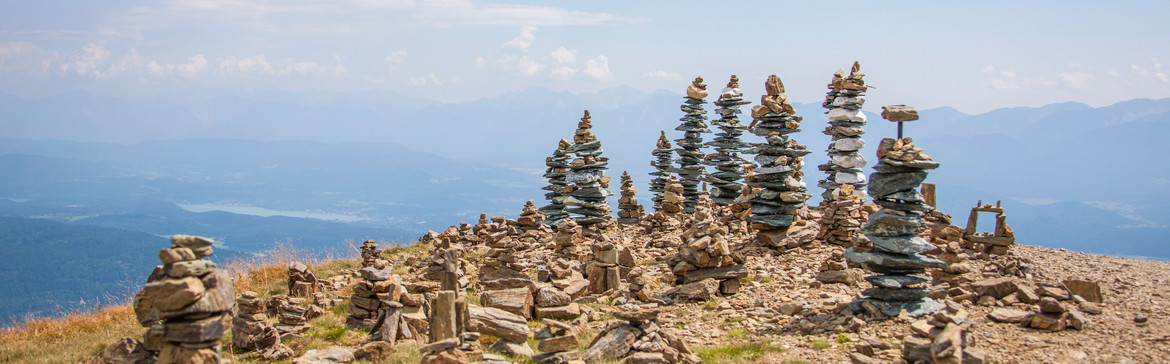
(637, 338)
(690, 167)
(631, 211)
(668, 216)
(558, 167)
(610, 262)
(780, 201)
(587, 174)
(530, 217)
(842, 217)
(186, 303)
(726, 160)
(370, 257)
(301, 282)
(896, 254)
(663, 166)
(366, 301)
(292, 314)
(251, 331)
(706, 254)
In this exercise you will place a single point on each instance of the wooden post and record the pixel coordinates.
(928, 193)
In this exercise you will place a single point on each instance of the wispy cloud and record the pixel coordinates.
(663, 75)
(522, 41)
(564, 55)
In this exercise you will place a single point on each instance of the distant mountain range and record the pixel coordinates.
(1071, 176)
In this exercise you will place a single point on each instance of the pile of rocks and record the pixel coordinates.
(587, 174)
(301, 282)
(292, 314)
(558, 166)
(842, 216)
(668, 215)
(705, 263)
(844, 100)
(896, 254)
(663, 166)
(510, 329)
(569, 241)
(1046, 306)
(251, 331)
(557, 343)
(366, 302)
(944, 337)
(434, 270)
(608, 265)
(835, 269)
(631, 211)
(637, 338)
(370, 257)
(186, 303)
(728, 146)
(690, 167)
(781, 198)
(554, 303)
(530, 217)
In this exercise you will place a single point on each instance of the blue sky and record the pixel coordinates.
(974, 56)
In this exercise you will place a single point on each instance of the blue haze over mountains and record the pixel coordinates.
(81, 166)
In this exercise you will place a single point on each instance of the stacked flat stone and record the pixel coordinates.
(706, 253)
(530, 217)
(897, 251)
(638, 338)
(842, 217)
(669, 215)
(587, 174)
(370, 257)
(301, 282)
(364, 303)
(781, 197)
(690, 163)
(558, 166)
(186, 303)
(844, 100)
(631, 211)
(292, 314)
(557, 342)
(726, 160)
(610, 261)
(250, 328)
(664, 152)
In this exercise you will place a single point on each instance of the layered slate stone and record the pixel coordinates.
(844, 185)
(558, 167)
(663, 166)
(589, 185)
(631, 211)
(690, 163)
(782, 193)
(729, 166)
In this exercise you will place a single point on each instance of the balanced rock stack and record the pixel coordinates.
(896, 254)
(706, 254)
(558, 166)
(186, 302)
(292, 314)
(587, 174)
(631, 211)
(569, 241)
(610, 261)
(365, 302)
(530, 217)
(842, 217)
(250, 328)
(844, 100)
(668, 215)
(301, 282)
(637, 338)
(781, 197)
(370, 256)
(728, 146)
(690, 167)
(664, 165)
(557, 342)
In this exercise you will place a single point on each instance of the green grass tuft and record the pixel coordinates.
(746, 352)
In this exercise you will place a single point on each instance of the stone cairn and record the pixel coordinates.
(690, 167)
(610, 263)
(450, 341)
(292, 314)
(844, 194)
(705, 261)
(558, 166)
(370, 257)
(896, 254)
(728, 146)
(631, 211)
(637, 338)
(781, 198)
(664, 165)
(668, 216)
(301, 282)
(251, 331)
(186, 303)
(530, 217)
(587, 174)
(366, 302)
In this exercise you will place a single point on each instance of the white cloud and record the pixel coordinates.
(1077, 80)
(1114, 73)
(129, 63)
(664, 75)
(522, 41)
(1009, 80)
(435, 80)
(1158, 72)
(564, 72)
(88, 61)
(394, 59)
(563, 55)
(312, 68)
(418, 81)
(598, 67)
(480, 62)
(519, 65)
(257, 64)
(195, 64)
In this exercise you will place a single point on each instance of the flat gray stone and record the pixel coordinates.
(896, 261)
(902, 244)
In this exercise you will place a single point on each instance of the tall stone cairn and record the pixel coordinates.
(690, 163)
(631, 211)
(726, 160)
(896, 254)
(781, 198)
(586, 173)
(663, 166)
(370, 256)
(250, 328)
(558, 166)
(186, 303)
(844, 186)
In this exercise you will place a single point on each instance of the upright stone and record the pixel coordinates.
(728, 164)
(781, 199)
(690, 164)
